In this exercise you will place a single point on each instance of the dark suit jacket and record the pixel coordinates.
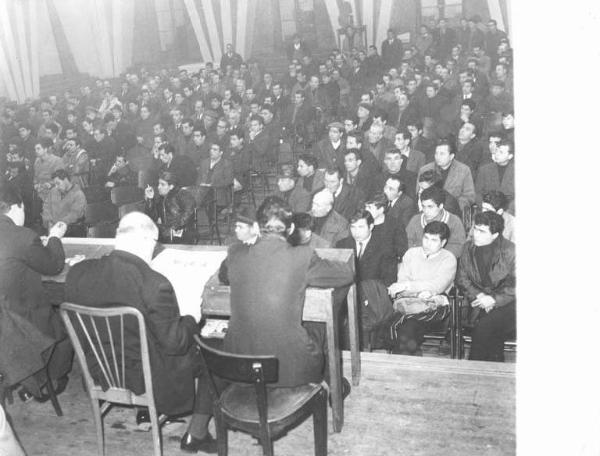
(260, 150)
(268, 282)
(298, 198)
(403, 209)
(23, 259)
(393, 233)
(219, 178)
(349, 200)
(327, 156)
(471, 155)
(459, 182)
(183, 167)
(377, 262)
(488, 179)
(391, 53)
(367, 180)
(125, 279)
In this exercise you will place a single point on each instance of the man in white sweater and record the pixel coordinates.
(425, 273)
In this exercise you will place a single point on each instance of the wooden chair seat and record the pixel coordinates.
(240, 401)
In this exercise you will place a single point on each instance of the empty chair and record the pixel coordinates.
(249, 405)
(102, 332)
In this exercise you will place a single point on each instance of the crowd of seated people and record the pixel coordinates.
(422, 133)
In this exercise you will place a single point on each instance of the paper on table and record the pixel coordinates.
(188, 272)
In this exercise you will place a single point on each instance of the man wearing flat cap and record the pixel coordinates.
(330, 151)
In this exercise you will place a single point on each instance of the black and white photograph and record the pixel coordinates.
(259, 227)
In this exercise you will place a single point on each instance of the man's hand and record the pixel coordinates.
(396, 288)
(484, 301)
(425, 294)
(57, 230)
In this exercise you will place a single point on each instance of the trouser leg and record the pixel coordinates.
(490, 333)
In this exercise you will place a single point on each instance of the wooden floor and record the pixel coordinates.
(403, 406)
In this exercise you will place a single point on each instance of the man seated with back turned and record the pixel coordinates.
(124, 277)
(262, 277)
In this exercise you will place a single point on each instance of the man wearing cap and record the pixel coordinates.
(330, 151)
(297, 197)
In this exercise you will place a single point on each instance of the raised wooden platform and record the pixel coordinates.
(403, 406)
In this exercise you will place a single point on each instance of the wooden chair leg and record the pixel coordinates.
(52, 395)
(156, 436)
(221, 434)
(320, 425)
(99, 426)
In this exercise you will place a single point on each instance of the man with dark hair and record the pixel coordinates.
(426, 271)
(65, 203)
(184, 143)
(390, 229)
(102, 151)
(496, 201)
(240, 157)
(456, 176)
(400, 206)
(76, 162)
(376, 267)
(432, 202)
(360, 175)
(259, 144)
(180, 165)
(391, 50)
(347, 199)
(420, 142)
(430, 178)
(414, 159)
(214, 173)
(311, 178)
(294, 195)
(469, 149)
(330, 151)
(499, 175)
(299, 117)
(120, 174)
(46, 163)
(23, 259)
(394, 164)
(486, 273)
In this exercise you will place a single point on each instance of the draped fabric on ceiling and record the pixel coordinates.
(19, 45)
(218, 23)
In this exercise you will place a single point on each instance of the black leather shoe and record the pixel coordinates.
(142, 419)
(346, 388)
(191, 444)
(25, 395)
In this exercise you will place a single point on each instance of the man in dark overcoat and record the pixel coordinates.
(23, 259)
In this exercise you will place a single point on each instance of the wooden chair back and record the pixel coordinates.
(98, 336)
